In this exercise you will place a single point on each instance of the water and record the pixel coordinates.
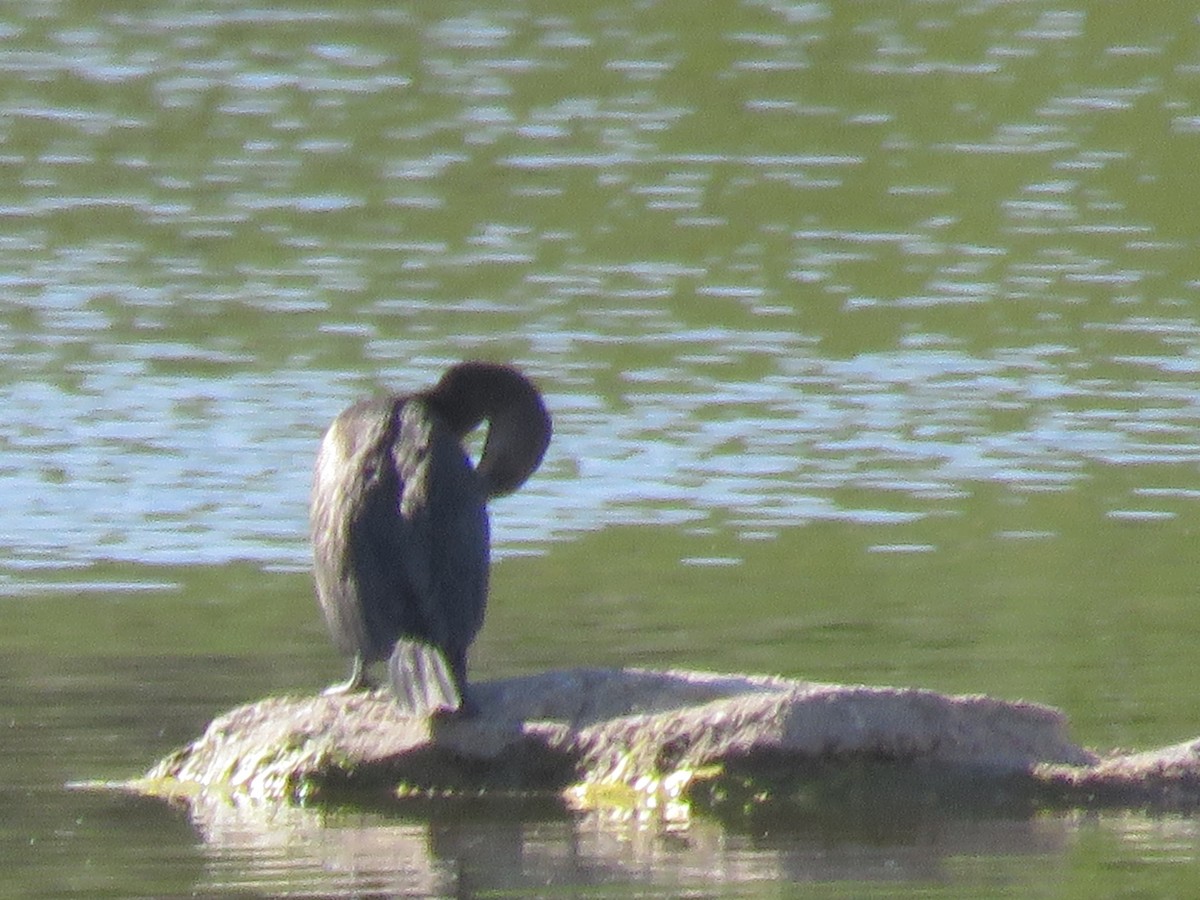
(871, 337)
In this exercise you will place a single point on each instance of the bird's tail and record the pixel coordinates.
(422, 679)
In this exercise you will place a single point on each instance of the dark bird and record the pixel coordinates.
(400, 526)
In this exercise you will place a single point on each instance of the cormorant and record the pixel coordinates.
(400, 527)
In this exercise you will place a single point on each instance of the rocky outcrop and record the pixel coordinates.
(646, 737)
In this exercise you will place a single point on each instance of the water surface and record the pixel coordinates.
(871, 337)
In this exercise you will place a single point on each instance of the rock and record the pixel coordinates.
(1166, 778)
(650, 735)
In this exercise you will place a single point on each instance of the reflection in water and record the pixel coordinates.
(456, 848)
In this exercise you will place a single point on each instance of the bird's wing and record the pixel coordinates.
(349, 493)
(442, 532)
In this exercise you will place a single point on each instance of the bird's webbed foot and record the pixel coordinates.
(358, 681)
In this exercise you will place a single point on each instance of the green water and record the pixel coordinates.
(870, 331)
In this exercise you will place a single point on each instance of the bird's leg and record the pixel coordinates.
(356, 682)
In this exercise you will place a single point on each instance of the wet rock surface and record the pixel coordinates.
(552, 731)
